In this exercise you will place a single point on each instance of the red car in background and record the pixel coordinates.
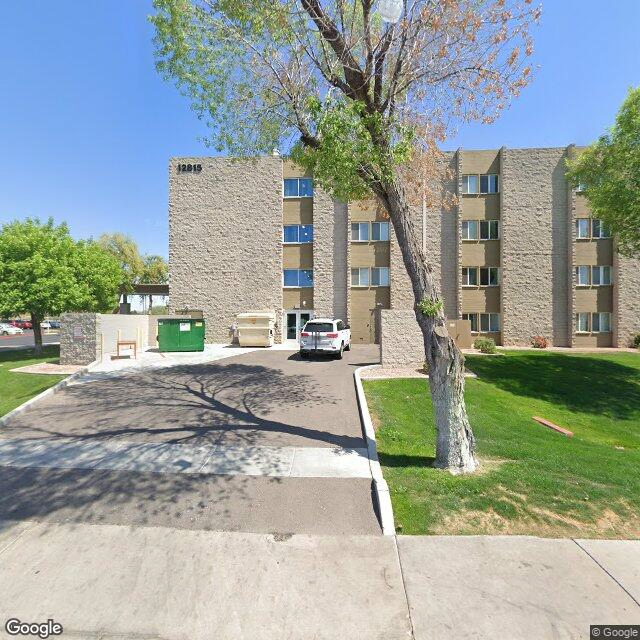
(22, 324)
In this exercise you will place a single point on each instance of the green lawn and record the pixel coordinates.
(533, 480)
(16, 388)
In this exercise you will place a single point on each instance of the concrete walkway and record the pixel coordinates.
(102, 581)
(281, 462)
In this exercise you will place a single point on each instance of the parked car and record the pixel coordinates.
(22, 324)
(55, 324)
(10, 330)
(325, 335)
(45, 325)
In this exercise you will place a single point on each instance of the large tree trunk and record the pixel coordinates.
(37, 334)
(455, 448)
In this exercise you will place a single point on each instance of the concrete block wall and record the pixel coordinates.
(78, 338)
(401, 342)
(341, 251)
(626, 307)
(534, 214)
(225, 239)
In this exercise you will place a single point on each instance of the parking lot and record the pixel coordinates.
(26, 340)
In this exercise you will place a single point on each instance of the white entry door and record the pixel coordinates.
(295, 321)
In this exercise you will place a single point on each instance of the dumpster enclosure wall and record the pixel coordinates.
(85, 337)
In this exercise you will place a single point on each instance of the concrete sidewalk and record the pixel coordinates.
(103, 581)
(145, 582)
(518, 588)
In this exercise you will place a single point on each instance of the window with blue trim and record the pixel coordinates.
(297, 278)
(298, 187)
(297, 233)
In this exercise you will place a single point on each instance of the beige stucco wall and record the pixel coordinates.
(110, 327)
(225, 239)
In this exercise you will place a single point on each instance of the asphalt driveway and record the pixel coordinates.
(270, 398)
(202, 446)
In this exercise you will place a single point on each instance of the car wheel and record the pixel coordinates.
(304, 355)
(339, 354)
(5, 333)
(348, 347)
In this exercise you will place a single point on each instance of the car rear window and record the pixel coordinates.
(320, 327)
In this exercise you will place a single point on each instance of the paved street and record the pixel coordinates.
(25, 340)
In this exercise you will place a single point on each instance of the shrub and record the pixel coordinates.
(636, 341)
(485, 345)
(539, 342)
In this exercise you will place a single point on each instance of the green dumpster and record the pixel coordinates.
(181, 334)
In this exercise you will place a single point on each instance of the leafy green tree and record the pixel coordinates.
(364, 104)
(609, 173)
(44, 271)
(156, 271)
(125, 249)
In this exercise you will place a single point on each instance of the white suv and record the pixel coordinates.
(325, 335)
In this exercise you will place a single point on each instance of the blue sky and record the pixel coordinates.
(87, 126)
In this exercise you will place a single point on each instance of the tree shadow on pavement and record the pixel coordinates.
(234, 403)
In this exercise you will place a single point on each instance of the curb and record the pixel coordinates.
(381, 488)
(47, 392)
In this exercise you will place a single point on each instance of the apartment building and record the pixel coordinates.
(519, 256)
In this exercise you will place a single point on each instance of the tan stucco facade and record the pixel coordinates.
(227, 253)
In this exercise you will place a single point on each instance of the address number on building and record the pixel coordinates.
(189, 168)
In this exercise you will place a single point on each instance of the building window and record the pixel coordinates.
(470, 184)
(470, 276)
(488, 276)
(599, 229)
(600, 276)
(601, 322)
(473, 319)
(489, 183)
(298, 188)
(470, 229)
(486, 183)
(380, 276)
(380, 231)
(482, 276)
(583, 275)
(297, 233)
(480, 230)
(582, 228)
(489, 230)
(489, 322)
(297, 277)
(360, 277)
(582, 322)
(360, 231)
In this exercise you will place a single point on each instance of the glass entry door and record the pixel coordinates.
(295, 321)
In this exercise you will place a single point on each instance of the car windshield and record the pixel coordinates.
(319, 327)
